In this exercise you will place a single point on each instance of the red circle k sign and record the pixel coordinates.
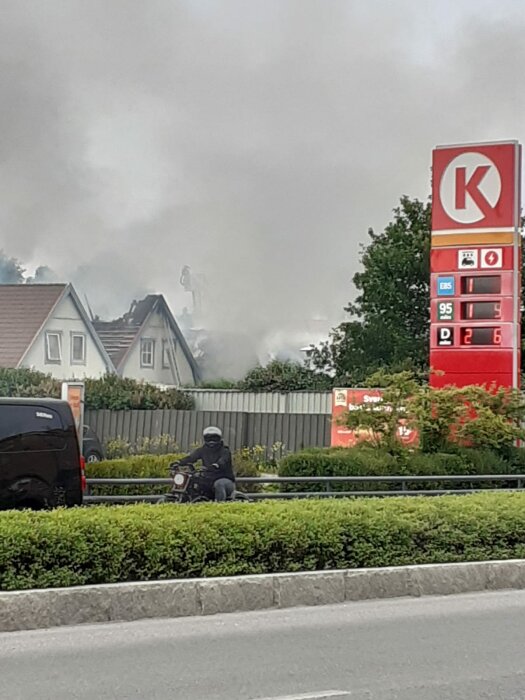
(475, 187)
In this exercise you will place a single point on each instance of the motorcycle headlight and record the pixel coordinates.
(179, 479)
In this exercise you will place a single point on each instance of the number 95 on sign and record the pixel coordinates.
(445, 311)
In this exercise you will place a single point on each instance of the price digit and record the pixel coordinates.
(467, 338)
(497, 310)
(496, 336)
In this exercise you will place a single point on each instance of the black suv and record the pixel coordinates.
(40, 461)
(91, 446)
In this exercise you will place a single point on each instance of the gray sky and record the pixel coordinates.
(255, 140)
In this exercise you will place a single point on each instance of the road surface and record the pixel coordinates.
(456, 648)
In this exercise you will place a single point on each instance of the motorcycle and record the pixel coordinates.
(190, 485)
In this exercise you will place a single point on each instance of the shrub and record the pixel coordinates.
(134, 467)
(284, 377)
(162, 444)
(111, 392)
(480, 417)
(367, 461)
(155, 542)
(155, 467)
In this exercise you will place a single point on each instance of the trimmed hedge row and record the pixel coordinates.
(368, 461)
(135, 467)
(148, 467)
(154, 542)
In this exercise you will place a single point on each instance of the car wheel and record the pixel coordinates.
(93, 457)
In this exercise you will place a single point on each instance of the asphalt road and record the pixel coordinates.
(456, 648)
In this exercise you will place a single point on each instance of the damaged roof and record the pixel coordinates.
(119, 336)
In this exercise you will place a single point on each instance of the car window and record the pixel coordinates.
(33, 428)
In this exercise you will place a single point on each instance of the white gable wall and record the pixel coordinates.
(65, 320)
(156, 330)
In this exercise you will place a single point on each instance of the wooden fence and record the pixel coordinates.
(293, 431)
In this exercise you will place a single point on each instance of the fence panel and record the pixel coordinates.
(294, 431)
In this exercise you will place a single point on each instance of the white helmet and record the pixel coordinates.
(212, 430)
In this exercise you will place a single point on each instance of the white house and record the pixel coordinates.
(147, 344)
(46, 328)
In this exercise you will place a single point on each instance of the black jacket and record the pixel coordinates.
(209, 456)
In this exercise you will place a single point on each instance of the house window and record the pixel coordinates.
(53, 347)
(78, 349)
(147, 352)
(166, 364)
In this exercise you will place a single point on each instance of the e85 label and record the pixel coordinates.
(445, 311)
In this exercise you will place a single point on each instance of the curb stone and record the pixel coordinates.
(127, 602)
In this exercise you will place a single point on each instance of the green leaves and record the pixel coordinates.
(152, 542)
(112, 392)
(284, 376)
(389, 324)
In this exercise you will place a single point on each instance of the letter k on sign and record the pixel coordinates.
(476, 187)
(470, 188)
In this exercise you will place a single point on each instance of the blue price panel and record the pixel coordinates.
(445, 286)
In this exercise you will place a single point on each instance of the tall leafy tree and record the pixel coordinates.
(11, 271)
(389, 319)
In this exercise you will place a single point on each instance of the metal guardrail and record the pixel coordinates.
(327, 481)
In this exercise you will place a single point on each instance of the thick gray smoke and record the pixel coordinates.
(254, 141)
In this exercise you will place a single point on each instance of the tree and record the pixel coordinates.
(284, 376)
(11, 271)
(389, 319)
(488, 418)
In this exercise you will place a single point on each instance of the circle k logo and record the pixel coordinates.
(470, 188)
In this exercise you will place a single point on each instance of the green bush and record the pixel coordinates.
(155, 467)
(117, 448)
(368, 461)
(134, 467)
(154, 542)
(111, 392)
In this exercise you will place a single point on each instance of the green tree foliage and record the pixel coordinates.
(384, 419)
(389, 319)
(484, 418)
(112, 392)
(284, 376)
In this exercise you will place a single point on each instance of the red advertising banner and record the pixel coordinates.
(345, 400)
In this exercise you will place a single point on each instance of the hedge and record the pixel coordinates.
(154, 542)
(110, 392)
(148, 467)
(135, 467)
(368, 461)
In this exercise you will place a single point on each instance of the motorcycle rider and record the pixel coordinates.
(216, 458)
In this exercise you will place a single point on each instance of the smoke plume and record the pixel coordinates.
(254, 141)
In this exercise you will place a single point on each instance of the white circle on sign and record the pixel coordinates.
(487, 187)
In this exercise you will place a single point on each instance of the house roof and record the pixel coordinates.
(24, 308)
(120, 335)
